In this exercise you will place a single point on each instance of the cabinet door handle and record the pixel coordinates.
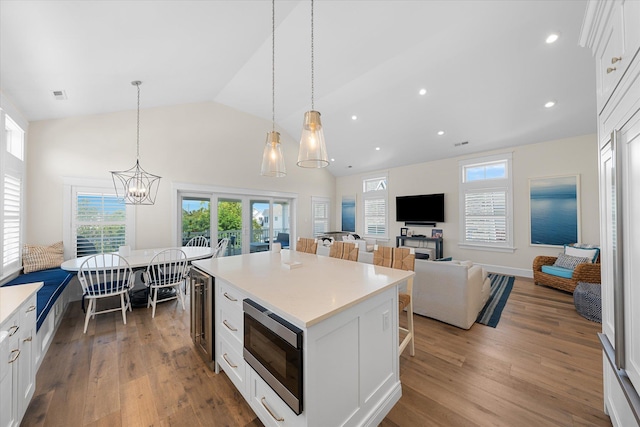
(16, 354)
(28, 339)
(616, 59)
(229, 297)
(13, 330)
(611, 70)
(229, 361)
(264, 403)
(31, 308)
(231, 328)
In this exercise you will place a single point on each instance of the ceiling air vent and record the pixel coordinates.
(59, 95)
(460, 144)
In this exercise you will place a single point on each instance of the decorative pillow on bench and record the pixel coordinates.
(38, 257)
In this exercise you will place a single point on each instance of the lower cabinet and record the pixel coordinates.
(269, 407)
(17, 369)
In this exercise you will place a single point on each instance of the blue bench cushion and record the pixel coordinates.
(557, 271)
(55, 280)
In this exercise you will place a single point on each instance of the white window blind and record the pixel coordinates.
(374, 197)
(486, 216)
(486, 202)
(320, 208)
(375, 217)
(100, 223)
(11, 222)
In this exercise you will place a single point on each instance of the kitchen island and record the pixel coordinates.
(348, 314)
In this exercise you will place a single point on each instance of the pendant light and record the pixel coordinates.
(136, 186)
(313, 151)
(272, 158)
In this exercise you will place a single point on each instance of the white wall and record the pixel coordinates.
(205, 144)
(578, 155)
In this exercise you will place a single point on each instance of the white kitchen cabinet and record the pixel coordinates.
(612, 30)
(229, 334)
(17, 356)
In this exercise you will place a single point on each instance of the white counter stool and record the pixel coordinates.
(168, 269)
(102, 276)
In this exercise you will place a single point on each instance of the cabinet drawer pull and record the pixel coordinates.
(264, 403)
(228, 361)
(231, 328)
(13, 330)
(611, 69)
(31, 308)
(229, 297)
(27, 339)
(16, 354)
(616, 59)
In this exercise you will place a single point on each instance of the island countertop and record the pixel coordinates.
(305, 293)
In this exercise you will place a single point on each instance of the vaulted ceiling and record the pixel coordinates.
(485, 65)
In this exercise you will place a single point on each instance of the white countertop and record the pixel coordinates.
(11, 297)
(319, 288)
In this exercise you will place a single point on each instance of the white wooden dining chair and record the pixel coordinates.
(167, 269)
(221, 248)
(199, 241)
(102, 276)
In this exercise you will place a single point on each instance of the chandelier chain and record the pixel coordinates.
(312, 88)
(138, 127)
(273, 65)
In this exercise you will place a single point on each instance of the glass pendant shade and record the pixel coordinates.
(313, 151)
(272, 158)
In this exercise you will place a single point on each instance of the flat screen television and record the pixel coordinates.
(424, 208)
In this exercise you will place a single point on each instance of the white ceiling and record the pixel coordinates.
(485, 65)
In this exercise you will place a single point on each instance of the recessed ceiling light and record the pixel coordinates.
(377, 148)
(354, 117)
(549, 104)
(333, 160)
(423, 92)
(552, 38)
(440, 132)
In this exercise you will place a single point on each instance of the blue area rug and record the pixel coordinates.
(500, 289)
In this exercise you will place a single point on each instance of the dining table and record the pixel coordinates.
(140, 259)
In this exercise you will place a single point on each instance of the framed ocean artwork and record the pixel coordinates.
(349, 213)
(554, 210)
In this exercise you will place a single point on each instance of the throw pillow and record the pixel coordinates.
(570, 262)
(443, 259)
(591, 253)
(38, 257)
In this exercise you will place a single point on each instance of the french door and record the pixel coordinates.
(252, 223)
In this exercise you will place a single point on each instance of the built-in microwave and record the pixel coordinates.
(273, 348)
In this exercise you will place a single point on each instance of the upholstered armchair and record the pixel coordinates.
(583, 272)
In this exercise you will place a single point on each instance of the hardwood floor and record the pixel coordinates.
(541, 366)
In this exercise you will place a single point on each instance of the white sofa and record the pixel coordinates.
(450, 291)
(453, 292)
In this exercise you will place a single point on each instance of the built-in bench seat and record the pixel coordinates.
(55, 281)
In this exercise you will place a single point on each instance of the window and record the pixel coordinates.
(375, 206)
(12, 171)
(486, 203)
(320, 209)
(98, 221)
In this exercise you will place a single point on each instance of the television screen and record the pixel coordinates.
(421, 208)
